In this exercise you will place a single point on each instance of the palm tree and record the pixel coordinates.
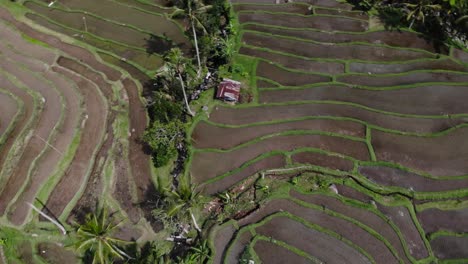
(192, 10)
(94, 237)
(176, 65)
(419, 10)
(183, 199)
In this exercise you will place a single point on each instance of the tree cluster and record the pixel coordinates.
(441, 21)
(168, 93)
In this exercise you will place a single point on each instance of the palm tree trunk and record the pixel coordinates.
(185, 95)
(196, 48)
(53, 221)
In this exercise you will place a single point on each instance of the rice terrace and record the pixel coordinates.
(242, 131)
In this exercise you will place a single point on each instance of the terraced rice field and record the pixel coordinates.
(354, 149)
(71, 120)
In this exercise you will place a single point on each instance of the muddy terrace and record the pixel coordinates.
(71, 122)
(353, 150)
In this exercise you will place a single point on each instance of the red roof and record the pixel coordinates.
(228, 90)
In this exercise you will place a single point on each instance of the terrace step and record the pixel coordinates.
(49, 121)
(403, 39)
(70, 122)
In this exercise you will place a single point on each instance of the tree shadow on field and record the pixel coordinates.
(159, 45)
(152, 200)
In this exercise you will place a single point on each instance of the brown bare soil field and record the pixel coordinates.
(288, 78)
(131, 16)
(48, 119)
(249, 115)
(339, 12)
(122, 190)
(92, 135)
(94, 184)
(207, 135)
(320, 245)
(460, 55)
(387, 176)
(9, 108)
(432, 100)
(321, 3)
(139, 161)
(445, 155)
(221, 240)
(72, 50)
(54, 254)
(296, 63)
(270, 252)
(14, 41)
(64, 134)
(265, 84)
(331, 162)
(236, 249)
(325, 23)
(348, 230)
(342, 52)
(133, 54)
(450, 247)
(294, 8)
(402, 219)
(361, 215)
(211, 164)
(406, 79)
(136, 73)
(376, 68)
(272, 162)
(397, 39)
(22, 122)
(434, 219)
(351, 193)
(98, 27)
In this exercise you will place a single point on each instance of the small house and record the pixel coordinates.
(228, 90)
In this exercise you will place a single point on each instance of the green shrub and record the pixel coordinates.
(162, 138)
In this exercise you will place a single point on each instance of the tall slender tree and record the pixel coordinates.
(175, 65)
(192, 9)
